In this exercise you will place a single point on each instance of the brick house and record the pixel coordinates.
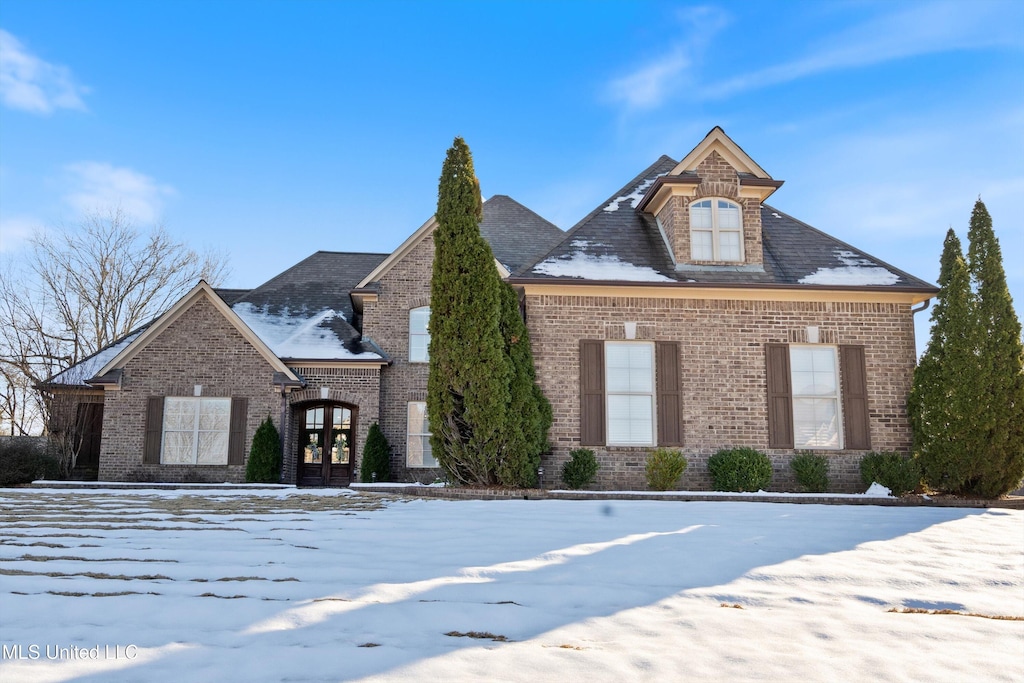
(682, 312)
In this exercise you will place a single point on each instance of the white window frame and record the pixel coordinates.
(415, 354)
(423, 437)
(716, 230)
(196, 431)
(610, 395)
(835, 396)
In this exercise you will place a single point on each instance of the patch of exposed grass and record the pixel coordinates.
(73, 594)
(369, 645)
(89, 575)
(734, 605)
(919, 610)
(72, 558)
(222, 597)
(480, 635)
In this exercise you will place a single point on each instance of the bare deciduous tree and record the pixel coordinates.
(74, 291)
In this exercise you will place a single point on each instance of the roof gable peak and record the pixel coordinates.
(717, 141)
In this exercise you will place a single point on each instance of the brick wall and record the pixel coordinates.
(717, 179)
(386, 321)
(723, 374)
(200, 347)
(359, 388)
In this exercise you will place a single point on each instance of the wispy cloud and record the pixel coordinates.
(99, 186)
(15, 231)
(917, 30)
(31, 84)
(651, 84)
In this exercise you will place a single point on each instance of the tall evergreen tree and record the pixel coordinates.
(941, 398)
(468, 384)
(529, 413)
(999, 411)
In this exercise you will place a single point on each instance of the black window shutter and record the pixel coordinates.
(669, 387)
(236, 438)
(592, 393)
(780, 396)
(154, 430)
(854, 380)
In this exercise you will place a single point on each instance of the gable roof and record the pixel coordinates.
(717, 141)
(306, 312)
(153, 330)
(517, 237)
(617, 242)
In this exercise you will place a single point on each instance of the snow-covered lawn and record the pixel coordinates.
(324, 586)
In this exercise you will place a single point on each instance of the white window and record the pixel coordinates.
(815, 379)
(418, 451)
(629, 384)
(195, 431)
(716, 231)
(419, 335)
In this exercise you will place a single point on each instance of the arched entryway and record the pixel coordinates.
(326, 444)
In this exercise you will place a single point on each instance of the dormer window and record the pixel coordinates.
(716, 230)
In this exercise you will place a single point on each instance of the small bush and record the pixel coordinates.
(376, 456)
(22, 462)
(898, 473)
(581, 469)
(740, 469)
(811, 472)
(664, 467)
(264, 465)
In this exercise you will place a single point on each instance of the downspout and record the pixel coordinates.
(924, 305)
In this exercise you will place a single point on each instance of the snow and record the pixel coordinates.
(593, 267)
(297, 336)
(635, 196)
(87, 369)
(315, 585)
(856, 270)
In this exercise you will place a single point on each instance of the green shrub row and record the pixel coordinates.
(747, 469)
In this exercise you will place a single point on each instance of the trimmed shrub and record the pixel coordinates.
(898, 473)
(581, 469)
(264, 464)
(376, 456)
(22, 462)
(664, 467)
(811, 472)
(740, 469)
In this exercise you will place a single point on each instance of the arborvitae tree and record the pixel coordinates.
(529, 413)
(942, 393)
(468, 384)
(998, 412)
(264, 464)
(376, 456)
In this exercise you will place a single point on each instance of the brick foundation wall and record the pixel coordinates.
(386, 321)
(723, 374)
(200, 347)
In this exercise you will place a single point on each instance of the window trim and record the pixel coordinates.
(196, 431)
(716, 231)
(653, 394)
(837, 396)
(426, 347)
(409, 435)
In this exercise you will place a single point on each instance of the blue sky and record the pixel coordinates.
(269, 130)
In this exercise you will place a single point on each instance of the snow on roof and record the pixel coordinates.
(604, 267)
(77, 374)
(636, 195)
(298, 336)
(856, 270)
